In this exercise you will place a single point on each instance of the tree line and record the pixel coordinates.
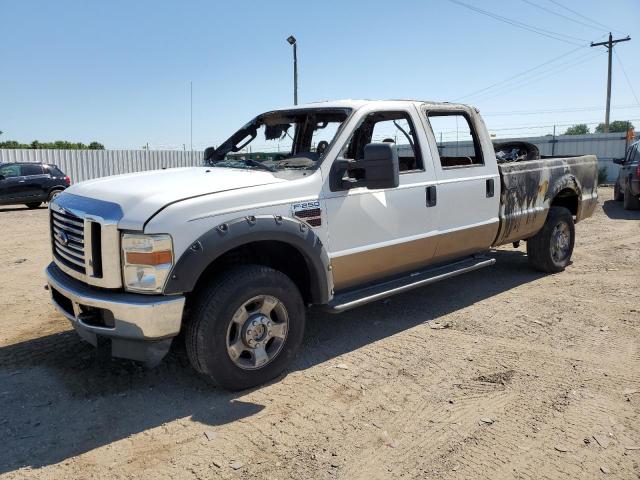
(57, 145)
(616, 126)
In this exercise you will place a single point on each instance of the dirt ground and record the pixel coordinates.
(500, 373)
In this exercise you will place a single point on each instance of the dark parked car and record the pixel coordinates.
(30, 183)
(627, 186)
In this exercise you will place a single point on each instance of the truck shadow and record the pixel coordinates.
(60, 397)
(616, 211)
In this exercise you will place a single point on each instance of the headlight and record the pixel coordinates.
(147, 260)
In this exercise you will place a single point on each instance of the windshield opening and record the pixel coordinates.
(294, 139)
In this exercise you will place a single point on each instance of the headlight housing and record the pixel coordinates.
(147, 261)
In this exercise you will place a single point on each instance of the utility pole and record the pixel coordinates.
(292, 41)
(191, 91)
(609, 44)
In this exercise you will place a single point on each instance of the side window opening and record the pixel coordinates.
(391, 127)
(11, 170)
(31, 169)
(458, 144)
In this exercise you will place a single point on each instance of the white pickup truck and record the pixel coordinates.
(330, 204)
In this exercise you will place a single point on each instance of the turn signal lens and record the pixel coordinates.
(150, 258)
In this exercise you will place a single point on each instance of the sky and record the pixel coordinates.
(119, 72)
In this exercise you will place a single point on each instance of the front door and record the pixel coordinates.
(11, 187)
(383, 232)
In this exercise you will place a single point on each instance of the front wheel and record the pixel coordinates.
(550, 249)
(246, 327)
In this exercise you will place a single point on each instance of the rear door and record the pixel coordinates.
(382, 232)
(468, 185)
(35, 182)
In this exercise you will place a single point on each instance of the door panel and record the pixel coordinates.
(11, 186)
(374, 234)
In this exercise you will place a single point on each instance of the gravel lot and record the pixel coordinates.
(501, 373)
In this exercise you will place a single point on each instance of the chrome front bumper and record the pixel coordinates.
(140, 326)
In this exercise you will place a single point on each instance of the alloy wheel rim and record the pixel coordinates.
(257, 332)
(560, 242)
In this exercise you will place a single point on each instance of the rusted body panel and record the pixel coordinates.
(530, 187)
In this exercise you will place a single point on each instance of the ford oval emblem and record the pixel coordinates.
(62, 237)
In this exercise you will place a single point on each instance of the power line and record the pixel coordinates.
(627, 77)
(524, 26)
(561, 15)
(531, 126)
(521, 73)
(538, 76)
(556, 110)
(584, 17)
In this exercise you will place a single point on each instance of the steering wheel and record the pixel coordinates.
(322, 146)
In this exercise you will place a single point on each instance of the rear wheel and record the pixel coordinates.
(617, 194)
(54, 194)
(32, 205)
(551, 248)
(246, 327)
(631, 201)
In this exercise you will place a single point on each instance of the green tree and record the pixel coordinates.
(57, 145)
(615, 126)
(579, 129)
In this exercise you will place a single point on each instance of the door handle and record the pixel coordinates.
(432, 196)
(490, 188)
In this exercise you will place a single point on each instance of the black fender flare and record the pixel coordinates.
(240, 231)
(566, 182)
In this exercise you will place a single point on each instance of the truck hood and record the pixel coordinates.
(141, 195)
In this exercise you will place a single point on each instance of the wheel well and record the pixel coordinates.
(278, 255)
(568, 199)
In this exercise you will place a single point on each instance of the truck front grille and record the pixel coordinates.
(67, 233)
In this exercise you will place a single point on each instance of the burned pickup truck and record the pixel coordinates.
(332, 205)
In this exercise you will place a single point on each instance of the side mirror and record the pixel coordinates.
(619, 161)
(379, 169)
(381, 165)
(208, 153)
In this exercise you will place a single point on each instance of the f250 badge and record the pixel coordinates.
(309, 212)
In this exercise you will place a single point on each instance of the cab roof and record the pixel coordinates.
(357, 103)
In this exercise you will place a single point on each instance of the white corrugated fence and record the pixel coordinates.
(87, 164)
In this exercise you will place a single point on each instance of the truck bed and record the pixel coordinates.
(530, 186)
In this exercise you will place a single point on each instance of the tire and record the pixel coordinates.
(54, 194)
(631, 201)
(32, 205)
(224, 313)
(617, 194)
(550, 249)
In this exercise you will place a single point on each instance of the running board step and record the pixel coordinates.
(356, 298)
